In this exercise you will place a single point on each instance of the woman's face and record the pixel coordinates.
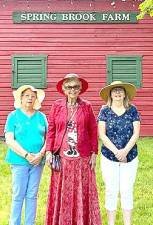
(28, 98)
(118, 94)
(72, 88)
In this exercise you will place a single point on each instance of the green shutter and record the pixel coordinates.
(124, 68)
(29, 69)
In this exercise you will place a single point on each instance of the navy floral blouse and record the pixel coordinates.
(119, 129)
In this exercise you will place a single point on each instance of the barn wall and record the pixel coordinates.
(77, 48)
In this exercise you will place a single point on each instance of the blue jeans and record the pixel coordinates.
(25, 182)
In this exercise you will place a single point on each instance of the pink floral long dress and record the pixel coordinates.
(73, 197)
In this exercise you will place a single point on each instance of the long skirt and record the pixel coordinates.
(73, 197)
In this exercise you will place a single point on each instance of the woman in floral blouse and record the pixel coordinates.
(119, 126)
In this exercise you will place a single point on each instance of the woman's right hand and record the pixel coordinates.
(30, 157)
(121, 155)
(48, 158)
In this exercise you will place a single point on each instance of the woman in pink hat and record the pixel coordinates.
(72, 133)
(119, 127)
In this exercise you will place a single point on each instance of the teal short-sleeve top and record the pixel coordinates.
(29, 132)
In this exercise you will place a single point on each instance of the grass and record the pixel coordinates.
(143, 192)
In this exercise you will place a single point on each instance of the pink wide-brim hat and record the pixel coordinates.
(70, 76)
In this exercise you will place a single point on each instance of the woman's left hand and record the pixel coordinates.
(37, 159)
(92, 161)
(121, 155)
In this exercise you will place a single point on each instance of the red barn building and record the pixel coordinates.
(101, 40)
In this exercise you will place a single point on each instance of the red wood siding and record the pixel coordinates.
(76, 48)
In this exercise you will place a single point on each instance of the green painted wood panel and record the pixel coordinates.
(29, 69)
(124, 68)
(74, 17)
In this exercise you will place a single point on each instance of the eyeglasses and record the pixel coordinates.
(118, 89)
(29, 96)
(75, 87)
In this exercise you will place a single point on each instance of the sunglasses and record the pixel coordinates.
(75, 87)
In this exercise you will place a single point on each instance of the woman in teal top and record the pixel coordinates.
(25, 132)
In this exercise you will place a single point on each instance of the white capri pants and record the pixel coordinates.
(118, 178)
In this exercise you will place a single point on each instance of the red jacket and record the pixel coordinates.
(86, 127)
